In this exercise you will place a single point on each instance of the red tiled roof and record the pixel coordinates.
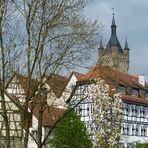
(57, 83)
(115, 79)
(23, 81)
(79, 76)
(50, 114)
(134, 99)
(112, 77)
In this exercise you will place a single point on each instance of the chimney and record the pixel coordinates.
(141, 79)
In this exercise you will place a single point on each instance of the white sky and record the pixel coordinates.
(131, 18)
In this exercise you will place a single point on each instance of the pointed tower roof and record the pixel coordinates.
(126, 45)
(113, 41)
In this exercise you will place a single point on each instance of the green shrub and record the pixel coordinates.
(141, 145)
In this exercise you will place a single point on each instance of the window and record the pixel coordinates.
(146, 95)
(122, 90)
(130, 145)
(134, 130)
(34, 135)
(88, 109)
(141, 111)
(138, 111)
(143, 131)
(125, 129)
(137, 130)
(85, 88)
(92, 109)
(46, 130)
(125, 108)
(72, 87)
(128, 109)
(144, 112)
(79, 109)
(120, 145)
(134, 110)
(134, 92)
(42, 94)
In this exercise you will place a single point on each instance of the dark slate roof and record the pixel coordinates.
(113, 41)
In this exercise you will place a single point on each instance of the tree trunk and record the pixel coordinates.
(40, 128)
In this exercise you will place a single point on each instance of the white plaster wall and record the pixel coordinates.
(68, 89)
(31, 142)
(52, 100)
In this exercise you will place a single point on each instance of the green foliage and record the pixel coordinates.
(70, 133)
(141, 145)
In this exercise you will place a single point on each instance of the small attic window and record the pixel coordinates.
(134, 92)
(72, 87)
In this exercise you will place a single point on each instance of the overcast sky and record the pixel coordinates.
(131, 18)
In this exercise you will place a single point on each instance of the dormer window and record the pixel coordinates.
(146, 95)
(122, 90)
(134, 92)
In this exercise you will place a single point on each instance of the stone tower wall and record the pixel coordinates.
(115, 60)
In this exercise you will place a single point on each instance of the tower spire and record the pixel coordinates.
(113, 41)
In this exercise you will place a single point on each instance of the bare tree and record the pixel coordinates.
(54, 37)
(57, 36)
(7, 57)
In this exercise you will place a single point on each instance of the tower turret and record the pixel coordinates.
(126, 52)
(126, 45)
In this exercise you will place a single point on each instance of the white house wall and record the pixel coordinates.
(16, 89)
(69, 88)
(14, 119)
(33, 130)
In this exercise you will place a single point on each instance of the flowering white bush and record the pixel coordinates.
(107, 115)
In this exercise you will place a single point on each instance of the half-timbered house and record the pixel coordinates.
(134, 95)
(43, 96)
(112, 66)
